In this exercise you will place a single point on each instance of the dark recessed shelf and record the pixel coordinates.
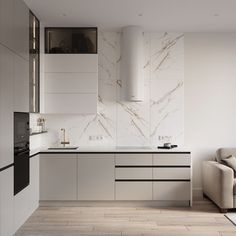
(71, 40)
(36, 133)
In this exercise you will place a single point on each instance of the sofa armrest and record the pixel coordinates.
(218, 181)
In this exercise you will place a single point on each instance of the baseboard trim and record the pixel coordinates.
(115, 203)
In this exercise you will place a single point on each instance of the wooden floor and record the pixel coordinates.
(202, 219)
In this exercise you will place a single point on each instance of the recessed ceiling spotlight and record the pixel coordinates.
(140, 14)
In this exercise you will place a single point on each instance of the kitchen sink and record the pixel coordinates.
(63, 148)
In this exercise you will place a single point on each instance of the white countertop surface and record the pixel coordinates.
(115, 149)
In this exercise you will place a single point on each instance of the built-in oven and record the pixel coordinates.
(21, 151)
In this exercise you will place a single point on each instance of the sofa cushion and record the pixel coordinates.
(231, 162)
(223, 153)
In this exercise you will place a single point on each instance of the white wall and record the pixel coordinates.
(210, 96)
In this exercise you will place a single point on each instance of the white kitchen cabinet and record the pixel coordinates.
(133, 173)
(96, 176)
(137, 159)
(172, 177)
(171, 191)
(70, 103)
(21, 29)
(172, 159)
(6, 106)
(58, 176)
(133, 176)
(34, 183)
(6, 23)
(134, 190)
(21, 207)
(171, 173)
(71, 63)
(27, 200)
(6, 202)
(70, 84)
(14, 26)
(21, 84)
(116, 176)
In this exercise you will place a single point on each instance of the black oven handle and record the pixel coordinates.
(22, 153)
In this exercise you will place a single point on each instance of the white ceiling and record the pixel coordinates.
(160, 15)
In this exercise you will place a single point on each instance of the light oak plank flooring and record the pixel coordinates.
(203, 219)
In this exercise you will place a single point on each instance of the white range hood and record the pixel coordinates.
(132, 63)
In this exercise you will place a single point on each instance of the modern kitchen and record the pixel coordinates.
(116, 120)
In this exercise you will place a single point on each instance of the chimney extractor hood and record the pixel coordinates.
(132, 63)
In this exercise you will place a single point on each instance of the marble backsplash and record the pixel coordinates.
(123, 123)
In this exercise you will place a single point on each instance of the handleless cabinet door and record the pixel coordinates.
(71, 63)
(173, 159)
(133, 173)
(34, 183)
(96, 177)
(21, 84)
(21, 207)
(171, 173)
(21, 29)
(58, 176)
(66, 103)
(6, 106)
(171, 191)
(136, 159)
(6, 23)
(71, 83)
(134, 190)
(6, 202)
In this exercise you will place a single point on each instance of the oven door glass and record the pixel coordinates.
(21, 127)
(21, 171)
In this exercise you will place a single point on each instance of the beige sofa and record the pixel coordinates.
(219, 182)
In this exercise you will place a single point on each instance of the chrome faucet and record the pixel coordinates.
(64, 142)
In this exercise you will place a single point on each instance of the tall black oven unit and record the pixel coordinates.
(21, 151)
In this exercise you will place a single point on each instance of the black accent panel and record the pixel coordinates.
(144, 166)
(35, 154)
(152, 180)
(183, 166)
(6, 167)
(114, 152)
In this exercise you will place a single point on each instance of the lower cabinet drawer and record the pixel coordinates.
(133, 159)
(134, 173)
(133, 190)
(171, 173)
(172, 159)
(171, 191)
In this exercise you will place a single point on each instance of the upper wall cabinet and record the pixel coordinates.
(71, 71)
(14, 26)
(21, 29)
(71, 40)
(71, 84)
(21, 84)
(6, 23)
(6, 106)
